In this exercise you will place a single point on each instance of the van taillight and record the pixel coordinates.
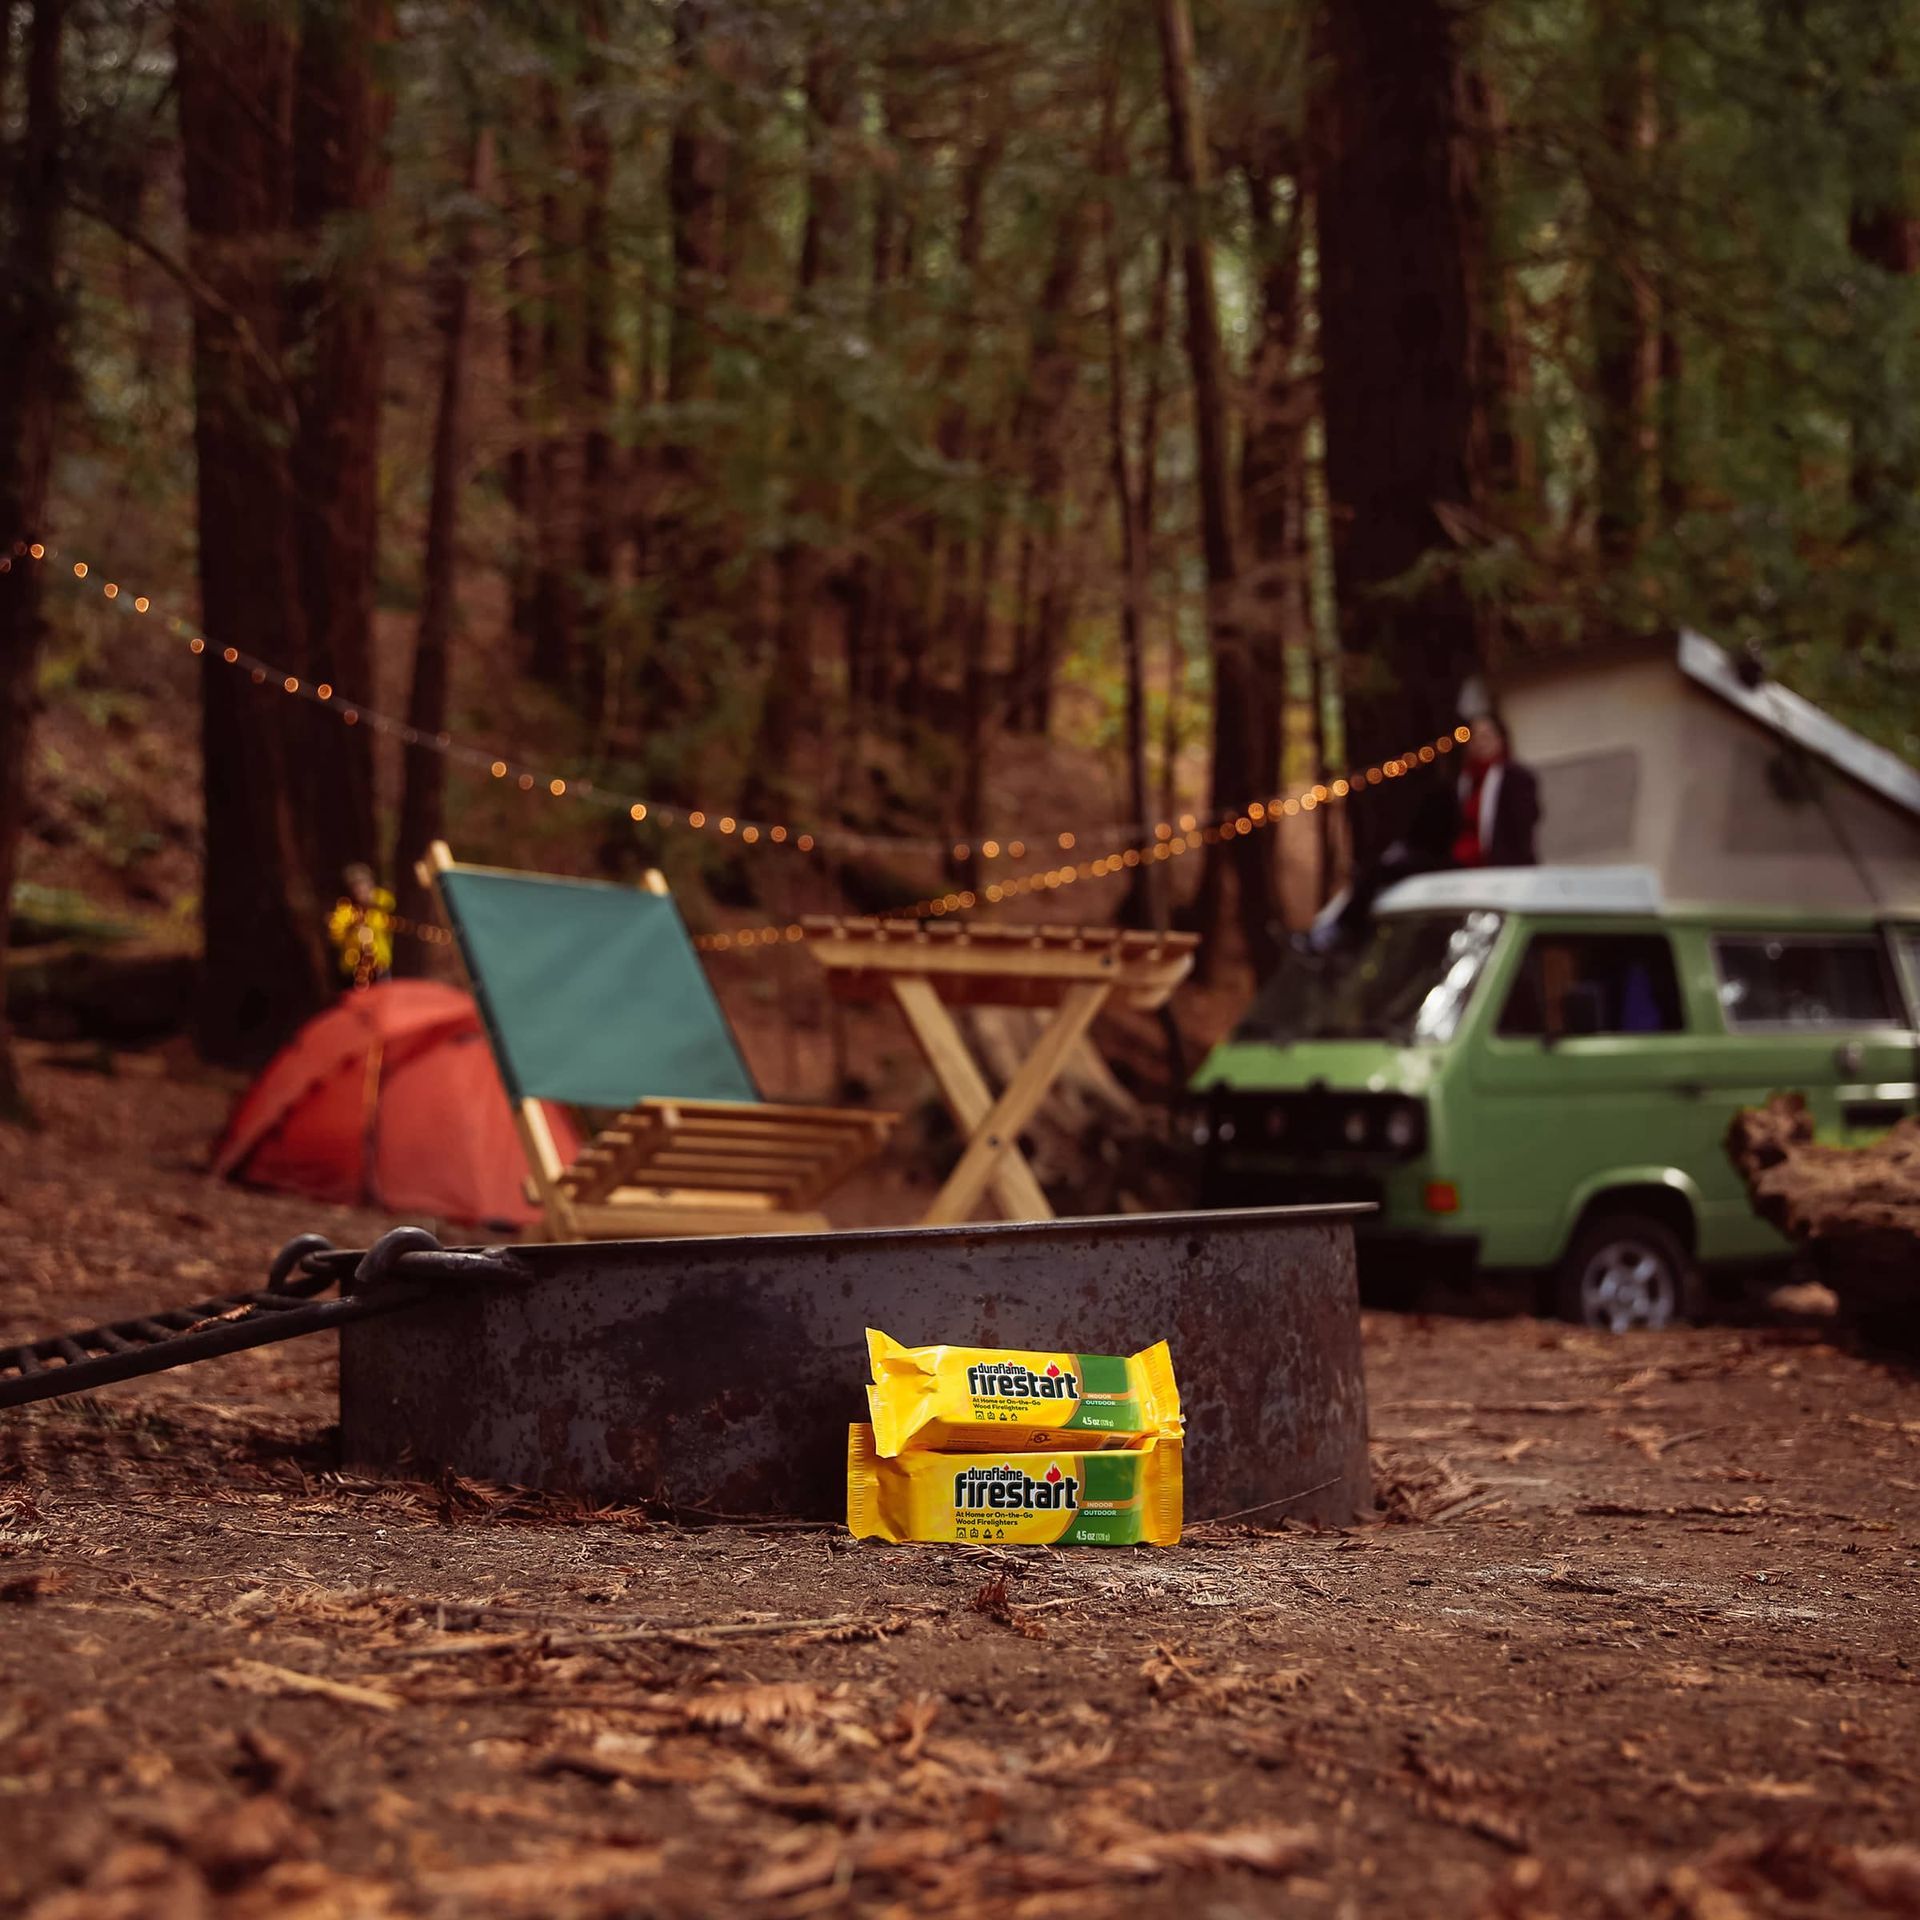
(1441, 1196)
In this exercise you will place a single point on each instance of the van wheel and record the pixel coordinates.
(1624, 1273)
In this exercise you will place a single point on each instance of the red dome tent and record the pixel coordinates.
(389, 1099)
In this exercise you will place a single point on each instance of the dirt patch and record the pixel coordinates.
(1636, 1637)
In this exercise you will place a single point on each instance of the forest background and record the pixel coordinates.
(858, 453)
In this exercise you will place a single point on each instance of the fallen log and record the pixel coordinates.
(1855, 1211)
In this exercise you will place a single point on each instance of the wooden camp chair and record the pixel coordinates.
(929, 968)
(592, 996)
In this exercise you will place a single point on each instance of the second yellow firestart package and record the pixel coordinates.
(1112, 1499)
(970, 1399)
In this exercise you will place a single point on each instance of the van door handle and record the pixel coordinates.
(1690, 1089)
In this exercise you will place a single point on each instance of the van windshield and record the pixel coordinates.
(1409, 984)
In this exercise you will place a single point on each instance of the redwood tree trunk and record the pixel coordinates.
(1397, 392)
(31, 191)
(265, 967)
(1237, 697)
(815, 444)
(600, 513)
(1273, 488)
(520, 470)
(1039, 433)
(552, 585)
(423, 798)
(342, 110)
(1626, 328)
(684, 552)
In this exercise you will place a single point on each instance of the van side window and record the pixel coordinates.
(1805, 980)
(1580, 983)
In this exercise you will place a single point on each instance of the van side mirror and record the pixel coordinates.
(1583, 1010)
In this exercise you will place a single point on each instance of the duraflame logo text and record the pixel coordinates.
(1009, 1380)
(1010, 1489)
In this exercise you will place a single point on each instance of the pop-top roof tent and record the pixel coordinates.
(1729, 792)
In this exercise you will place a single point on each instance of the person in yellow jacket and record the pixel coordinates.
(361, 928)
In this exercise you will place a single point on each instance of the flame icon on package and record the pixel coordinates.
(1053, 1473)
(1053, 1370)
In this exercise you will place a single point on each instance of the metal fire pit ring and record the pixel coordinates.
(719, 1375)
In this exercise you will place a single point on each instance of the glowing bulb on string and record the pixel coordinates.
(726, 823)
(290, 684)
(196, 645)
(990, 848)
(1187, 823)
(38, 551)
(1066, 841)
(1462, 734)
(323, 691)
(498, 769)
(111, 590)
(777, 835)
(637, 811)
(526, 783)
(79, 569)
(230, 654)
(696, 818)
(556, 788)
(749, 834)
(805, 843)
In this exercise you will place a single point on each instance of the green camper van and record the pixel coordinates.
(1533, 1069)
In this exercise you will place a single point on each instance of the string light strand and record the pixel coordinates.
(1166, 844)
(517, 772)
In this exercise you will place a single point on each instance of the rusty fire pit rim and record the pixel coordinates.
(1228, 1219)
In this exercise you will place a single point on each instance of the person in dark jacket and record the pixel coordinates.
(1499, 801)
(1490, 817)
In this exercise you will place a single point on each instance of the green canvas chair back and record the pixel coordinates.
(593, 994)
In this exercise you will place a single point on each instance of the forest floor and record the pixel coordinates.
(1637, 1634)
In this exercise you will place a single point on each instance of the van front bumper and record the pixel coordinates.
(1389, 1255)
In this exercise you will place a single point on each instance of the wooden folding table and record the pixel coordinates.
(930, 968)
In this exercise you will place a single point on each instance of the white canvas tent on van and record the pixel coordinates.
(1728, 791)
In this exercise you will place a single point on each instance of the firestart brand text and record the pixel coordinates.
(1010, 1380)
(1004, 1488)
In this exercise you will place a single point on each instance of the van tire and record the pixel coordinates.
(1626, 1272)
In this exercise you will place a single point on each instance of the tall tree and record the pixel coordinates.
(1238, 701)
(1391, 162)
(600, 505)
(1626, 331)
(1133, 494)
(683, 549)
(1040, 440)
(423, 797)
(32, 192)
(265, 968)
(817, 440)
(551, 593)
(342, 109)
(1883, 237)
(1280, 411)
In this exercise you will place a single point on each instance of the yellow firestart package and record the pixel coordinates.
(965, 1399)
(1043, 1499)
